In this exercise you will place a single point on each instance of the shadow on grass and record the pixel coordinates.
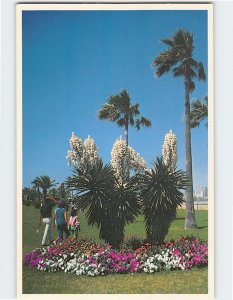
(201, 227)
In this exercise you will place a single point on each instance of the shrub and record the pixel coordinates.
(27, 202)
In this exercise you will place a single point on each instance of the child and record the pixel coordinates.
(74, 224)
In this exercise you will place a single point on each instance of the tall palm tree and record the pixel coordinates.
(45, 183)
(178, 58)
(119, 109)
(199, 112)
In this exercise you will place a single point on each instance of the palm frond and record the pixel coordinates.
(121, 122)
(137, 124)
(201, 72)
(145, 122)
(134, 109)
(131, 121)
(199, 112)
(108, 112)
(168, 42)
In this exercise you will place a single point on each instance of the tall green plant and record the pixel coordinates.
(160, 192)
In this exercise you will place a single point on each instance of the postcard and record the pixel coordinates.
(115, 151)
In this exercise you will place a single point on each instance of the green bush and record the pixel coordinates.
(27, 203)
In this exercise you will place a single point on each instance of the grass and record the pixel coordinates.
(180, 282)
(194, 281)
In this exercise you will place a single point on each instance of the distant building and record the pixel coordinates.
(201, 195)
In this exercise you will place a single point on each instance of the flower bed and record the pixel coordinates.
(92, 259)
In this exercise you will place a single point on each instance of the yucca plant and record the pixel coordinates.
(109, 205)
(122, 210)
(94, 190)
(160, 193)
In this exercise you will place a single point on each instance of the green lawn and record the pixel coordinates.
(180, 282)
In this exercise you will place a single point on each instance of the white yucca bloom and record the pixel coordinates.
(125, 159)
(169, 150)
(136, 161)
(76, 144)
(90, 151)
(120, 160)
(82, 155)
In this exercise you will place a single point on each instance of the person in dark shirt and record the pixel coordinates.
(46, 217)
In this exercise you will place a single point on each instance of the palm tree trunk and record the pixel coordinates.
(38, 191)
(190, 221)
(126, 131)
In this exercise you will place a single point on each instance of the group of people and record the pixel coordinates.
(64, 226)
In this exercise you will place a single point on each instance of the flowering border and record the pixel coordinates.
(92, 259)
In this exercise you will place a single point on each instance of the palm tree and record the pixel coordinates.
(199, 112)
(53, 191)
(36, 185)
(178, 59)
(45, 183)
(26, 192)
(119, 109)
(160, 194)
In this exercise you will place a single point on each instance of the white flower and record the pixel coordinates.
(151, 271)
(82, 155)
(151, 259)
(169, 150)
(125, 159)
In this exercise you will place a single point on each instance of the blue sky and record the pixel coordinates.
(74, 60)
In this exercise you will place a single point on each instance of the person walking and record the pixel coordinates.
(46, 218)
(74, 223)
(60, 220)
